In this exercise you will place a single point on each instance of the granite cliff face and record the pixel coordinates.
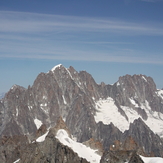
(145, 138)
(125, 116)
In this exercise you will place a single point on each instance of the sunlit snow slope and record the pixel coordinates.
(107, 112)
(82, 150)
(152, 159)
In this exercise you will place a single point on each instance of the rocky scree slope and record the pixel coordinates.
(89, 110)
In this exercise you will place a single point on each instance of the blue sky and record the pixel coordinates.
(108, 39)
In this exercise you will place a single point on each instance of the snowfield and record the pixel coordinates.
(152, 159)
(82, 150)
(107, 112)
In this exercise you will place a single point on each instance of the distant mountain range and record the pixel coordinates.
(65, 116)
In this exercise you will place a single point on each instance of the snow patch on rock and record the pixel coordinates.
(38, 123)
(17, 160)
(64, 101)
(42, 138)
(118, 84)
(82, 150)
(17, 111)
(144, 79)
(133, 102)
(160, 93)
(69, 74)
(152, 159)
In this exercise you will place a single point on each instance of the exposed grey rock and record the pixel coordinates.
(107, 134)
(50, 150)
(121, 157)
(70, 95)
(10, 147)
(140, 88)
(146, 139)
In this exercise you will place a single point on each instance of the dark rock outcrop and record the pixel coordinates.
(147, 142)
(11, 147)
(50, 150)
(121, 157)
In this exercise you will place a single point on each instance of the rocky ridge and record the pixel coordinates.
(71, 96)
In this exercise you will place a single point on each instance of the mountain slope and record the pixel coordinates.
(104, 113)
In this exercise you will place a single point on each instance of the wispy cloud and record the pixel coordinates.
(123, 56)
(21, 22)
(42, 36)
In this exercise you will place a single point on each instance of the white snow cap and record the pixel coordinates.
(57, 66)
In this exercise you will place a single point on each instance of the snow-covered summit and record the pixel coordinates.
(57, 66)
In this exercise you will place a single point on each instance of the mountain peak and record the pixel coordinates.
(134, 77)
(135, 81)
(57, 66)
(14, 87)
